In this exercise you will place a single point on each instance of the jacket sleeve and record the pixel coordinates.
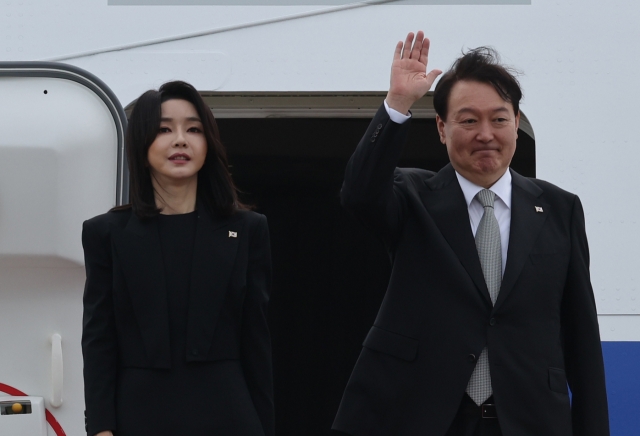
(369, 191)
(256, 342)
(583, 351)
(99, 344)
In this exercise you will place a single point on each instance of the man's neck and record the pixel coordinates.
(483, 181)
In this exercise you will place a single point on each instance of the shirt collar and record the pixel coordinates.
(502, 188)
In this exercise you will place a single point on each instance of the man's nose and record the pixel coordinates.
(485, 131)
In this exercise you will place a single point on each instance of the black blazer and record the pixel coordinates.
(125, 322)
(436, 317)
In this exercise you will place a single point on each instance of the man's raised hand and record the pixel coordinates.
(409, 77)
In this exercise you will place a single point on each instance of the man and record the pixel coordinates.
(489, 314)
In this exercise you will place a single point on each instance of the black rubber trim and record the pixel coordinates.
(59, 70)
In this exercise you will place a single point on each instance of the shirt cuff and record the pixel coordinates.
(396, 116)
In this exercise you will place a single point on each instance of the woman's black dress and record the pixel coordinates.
(179, 401)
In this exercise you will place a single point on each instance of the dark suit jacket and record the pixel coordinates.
(436, 317)
(125, 321)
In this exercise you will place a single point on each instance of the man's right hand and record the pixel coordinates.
(409, 78)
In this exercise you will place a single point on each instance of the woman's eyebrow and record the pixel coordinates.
(168, 119)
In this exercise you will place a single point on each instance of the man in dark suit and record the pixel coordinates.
(489, 317)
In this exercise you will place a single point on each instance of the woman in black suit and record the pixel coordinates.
(175, 338)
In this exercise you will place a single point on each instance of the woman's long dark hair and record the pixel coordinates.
(216, 190)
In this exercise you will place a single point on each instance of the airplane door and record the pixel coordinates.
(62, 163)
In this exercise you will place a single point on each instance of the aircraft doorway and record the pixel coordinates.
(288, 155)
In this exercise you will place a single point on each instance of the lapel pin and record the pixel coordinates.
(233, 234)
(538, 209)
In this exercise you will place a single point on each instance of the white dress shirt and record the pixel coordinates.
(501, 207)
(502, 204)
(396, 116)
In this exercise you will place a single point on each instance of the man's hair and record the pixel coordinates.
(482, 65)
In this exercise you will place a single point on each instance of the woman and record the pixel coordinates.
(175, 337)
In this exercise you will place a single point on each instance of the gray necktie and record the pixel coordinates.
(490, 252)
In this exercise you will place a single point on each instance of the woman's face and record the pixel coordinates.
(179, 150)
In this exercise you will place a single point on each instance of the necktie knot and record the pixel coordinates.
(486, 198)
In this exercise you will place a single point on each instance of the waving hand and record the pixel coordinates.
(409, 78)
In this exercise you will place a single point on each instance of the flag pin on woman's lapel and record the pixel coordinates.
(233, 234)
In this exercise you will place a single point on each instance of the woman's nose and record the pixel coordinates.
(180, 139)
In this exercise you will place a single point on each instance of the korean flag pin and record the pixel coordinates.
(538, 209)
(233, 234)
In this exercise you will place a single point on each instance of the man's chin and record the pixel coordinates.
(484, 174)
(489, 167)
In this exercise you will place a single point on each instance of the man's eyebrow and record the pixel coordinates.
(473, 111)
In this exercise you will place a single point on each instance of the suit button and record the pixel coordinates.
(194, 351)
(471, 357)
(379, 126)
(492, 321)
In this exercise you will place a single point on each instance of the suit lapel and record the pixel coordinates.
(214, 256)
(447, 206)
(140, 253)
(526, 224)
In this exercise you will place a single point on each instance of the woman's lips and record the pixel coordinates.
(179, 158)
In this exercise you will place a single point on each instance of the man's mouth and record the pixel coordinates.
(488, 149)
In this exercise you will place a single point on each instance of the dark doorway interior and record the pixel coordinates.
(329, 273)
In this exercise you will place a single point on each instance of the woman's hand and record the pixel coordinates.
(104, 433)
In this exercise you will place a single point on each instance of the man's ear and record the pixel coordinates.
(517, 123)
(440, 124)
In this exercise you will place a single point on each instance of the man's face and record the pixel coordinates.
(480, 132)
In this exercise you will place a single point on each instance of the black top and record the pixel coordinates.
(177, 233)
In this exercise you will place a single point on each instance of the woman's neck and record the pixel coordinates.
(175, 198)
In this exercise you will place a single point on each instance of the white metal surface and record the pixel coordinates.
(58, 169)
(28, 424)
(57, 371)
(59, 153)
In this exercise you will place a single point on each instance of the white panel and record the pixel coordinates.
(59, 167)
(36, 303)
(619, 327)
(32, 423)
(144, 69)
